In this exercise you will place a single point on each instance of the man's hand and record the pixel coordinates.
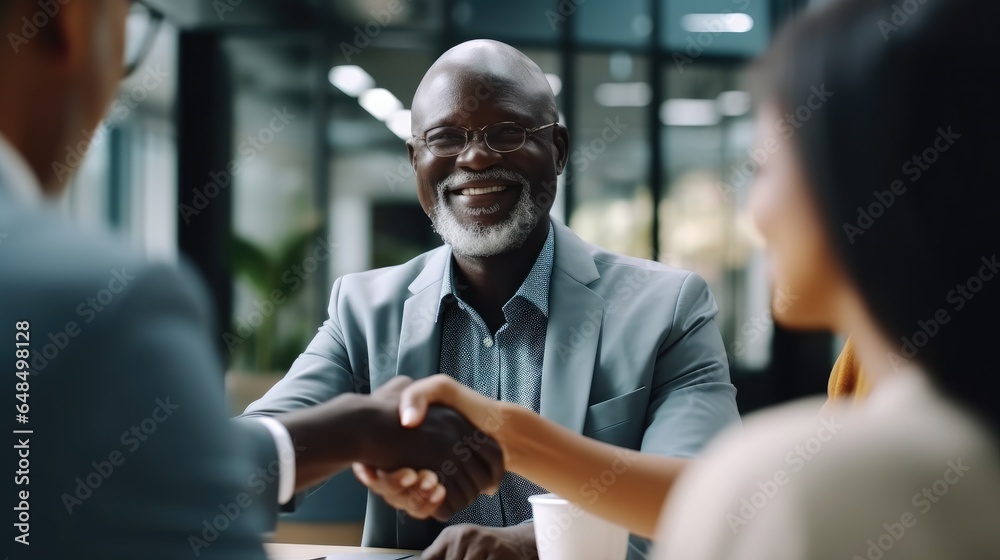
(472, 542)
(367, 429)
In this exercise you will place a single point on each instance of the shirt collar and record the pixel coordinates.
(17, 177)
(535, 288)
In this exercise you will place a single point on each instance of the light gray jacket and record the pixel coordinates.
(633, 356)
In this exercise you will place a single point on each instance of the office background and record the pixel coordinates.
(263, 141)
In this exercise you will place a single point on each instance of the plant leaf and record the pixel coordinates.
(252, 262)
(295, 251)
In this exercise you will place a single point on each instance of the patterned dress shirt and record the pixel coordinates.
(505, 365)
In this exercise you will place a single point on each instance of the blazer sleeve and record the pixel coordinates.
(322, 372)
(692, 397)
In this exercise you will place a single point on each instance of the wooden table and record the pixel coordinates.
(278, 551)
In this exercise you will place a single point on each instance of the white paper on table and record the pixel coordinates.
(372, 556)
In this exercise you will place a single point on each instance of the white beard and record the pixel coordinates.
(477, 240)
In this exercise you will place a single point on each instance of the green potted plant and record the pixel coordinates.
(262, 351)
(261, 347)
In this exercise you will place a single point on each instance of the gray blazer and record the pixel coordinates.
(633, 356)
(132, 454)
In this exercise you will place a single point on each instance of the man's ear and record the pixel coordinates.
(412, 153)
(561, 142)
(67, 39)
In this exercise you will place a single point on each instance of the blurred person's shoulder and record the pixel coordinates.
(851, 482)
(54, 264)
(47, 244)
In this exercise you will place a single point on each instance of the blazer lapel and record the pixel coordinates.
(573, 334)
(420, 333)
(419, 354)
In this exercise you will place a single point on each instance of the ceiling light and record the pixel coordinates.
(399, 123)
(734, 103)
(350, 79)
(380, 102)
(717, 23)
(555, 83)
(627, 94)
(689, 112)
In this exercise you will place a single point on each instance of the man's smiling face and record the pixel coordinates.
(483, 202)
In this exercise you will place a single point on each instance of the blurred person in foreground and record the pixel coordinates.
(125, 449)
(913, 471)
(515, 305)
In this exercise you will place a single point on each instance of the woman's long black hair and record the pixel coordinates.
(904, 159)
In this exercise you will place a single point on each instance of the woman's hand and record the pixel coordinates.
(488, 415)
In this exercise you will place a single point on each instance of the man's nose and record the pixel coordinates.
(478, 155)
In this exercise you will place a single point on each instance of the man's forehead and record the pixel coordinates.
(444, 79)
(461, 80)
(450, 96)
(482, 80)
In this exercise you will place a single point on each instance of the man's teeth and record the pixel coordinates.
(472, 191)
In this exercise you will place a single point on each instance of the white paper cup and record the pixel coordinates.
(563, 531)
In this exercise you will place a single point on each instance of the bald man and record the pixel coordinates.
(121, 447)
(515, 305)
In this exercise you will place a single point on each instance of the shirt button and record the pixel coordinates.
(488, 342)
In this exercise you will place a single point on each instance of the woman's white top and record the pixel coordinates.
(905, 476)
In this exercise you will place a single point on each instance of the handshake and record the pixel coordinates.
(407, 443)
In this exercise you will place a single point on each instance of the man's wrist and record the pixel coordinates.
(326, 435)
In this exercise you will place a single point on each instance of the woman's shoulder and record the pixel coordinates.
(831, 482)
(742, 473)
(906, 426)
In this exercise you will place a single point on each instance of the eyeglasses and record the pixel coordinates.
(140, 31)
(501, 137)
